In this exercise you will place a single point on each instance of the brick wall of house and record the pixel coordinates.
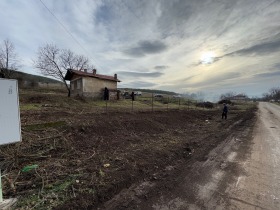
(92, 87)
(96, 85)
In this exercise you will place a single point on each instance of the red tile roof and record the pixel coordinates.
(70, 73)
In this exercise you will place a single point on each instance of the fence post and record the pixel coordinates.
(152, 102)
(106, 106)
(1, 193)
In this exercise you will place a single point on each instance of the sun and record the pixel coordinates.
(207, 57)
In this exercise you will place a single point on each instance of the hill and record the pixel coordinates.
(149, 91)
(21, 76)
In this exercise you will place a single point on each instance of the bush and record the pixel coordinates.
(225, 101)
(206, 104)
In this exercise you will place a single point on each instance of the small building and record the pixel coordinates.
(239, 97)
(91, 84)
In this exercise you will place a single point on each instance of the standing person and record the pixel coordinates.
(225, 111)
(132, 96)
(106, 94)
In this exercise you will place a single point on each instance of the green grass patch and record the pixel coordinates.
(26, 107)
(58, 187)
(45, 125)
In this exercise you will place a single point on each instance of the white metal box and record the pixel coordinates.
(10, 130)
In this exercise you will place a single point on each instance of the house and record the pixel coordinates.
(239, 97)
(91, 84)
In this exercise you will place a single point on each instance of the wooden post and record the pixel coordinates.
(106, 106)
(1, 192)
(131, 105)
(152, 102)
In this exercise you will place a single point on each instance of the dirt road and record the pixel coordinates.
(242, 172)
(259, 187)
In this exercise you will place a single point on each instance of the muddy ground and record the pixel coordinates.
(86, 158)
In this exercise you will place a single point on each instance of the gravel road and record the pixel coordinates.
(259, 187)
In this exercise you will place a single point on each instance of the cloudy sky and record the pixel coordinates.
(210, 46)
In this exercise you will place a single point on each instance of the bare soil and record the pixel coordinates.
(86, 158)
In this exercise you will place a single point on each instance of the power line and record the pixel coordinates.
(64, 27)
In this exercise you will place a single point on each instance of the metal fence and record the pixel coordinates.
(152, 103)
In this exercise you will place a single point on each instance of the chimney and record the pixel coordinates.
(115, 76)
(94, 71)
(85, 70)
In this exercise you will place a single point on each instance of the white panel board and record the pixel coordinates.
(10, 130)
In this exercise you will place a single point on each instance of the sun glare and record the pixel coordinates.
(207, 57)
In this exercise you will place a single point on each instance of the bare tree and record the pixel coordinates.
(227, 95)
(54, 62)
(274, 93)
(266, 96)
(8, 59)
(71, 61)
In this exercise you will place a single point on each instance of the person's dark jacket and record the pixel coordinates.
(132, 96)
(106, 94)
(225, 110)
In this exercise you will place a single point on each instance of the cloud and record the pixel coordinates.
(259, 49)
(276, 66)
(161, 67)
(146, 47)
(211, 61)
(268, 74)
(188, 78)
(174, 14)
(140, 74)
(196, 81)
(104, 14)
(163, 38)
(139, 84)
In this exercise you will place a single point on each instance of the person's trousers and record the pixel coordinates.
(224, 115)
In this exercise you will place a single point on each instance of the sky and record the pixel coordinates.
(185, 46)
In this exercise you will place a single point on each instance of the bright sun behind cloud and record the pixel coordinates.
(207, 57)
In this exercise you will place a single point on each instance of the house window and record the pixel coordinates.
(79, 84)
